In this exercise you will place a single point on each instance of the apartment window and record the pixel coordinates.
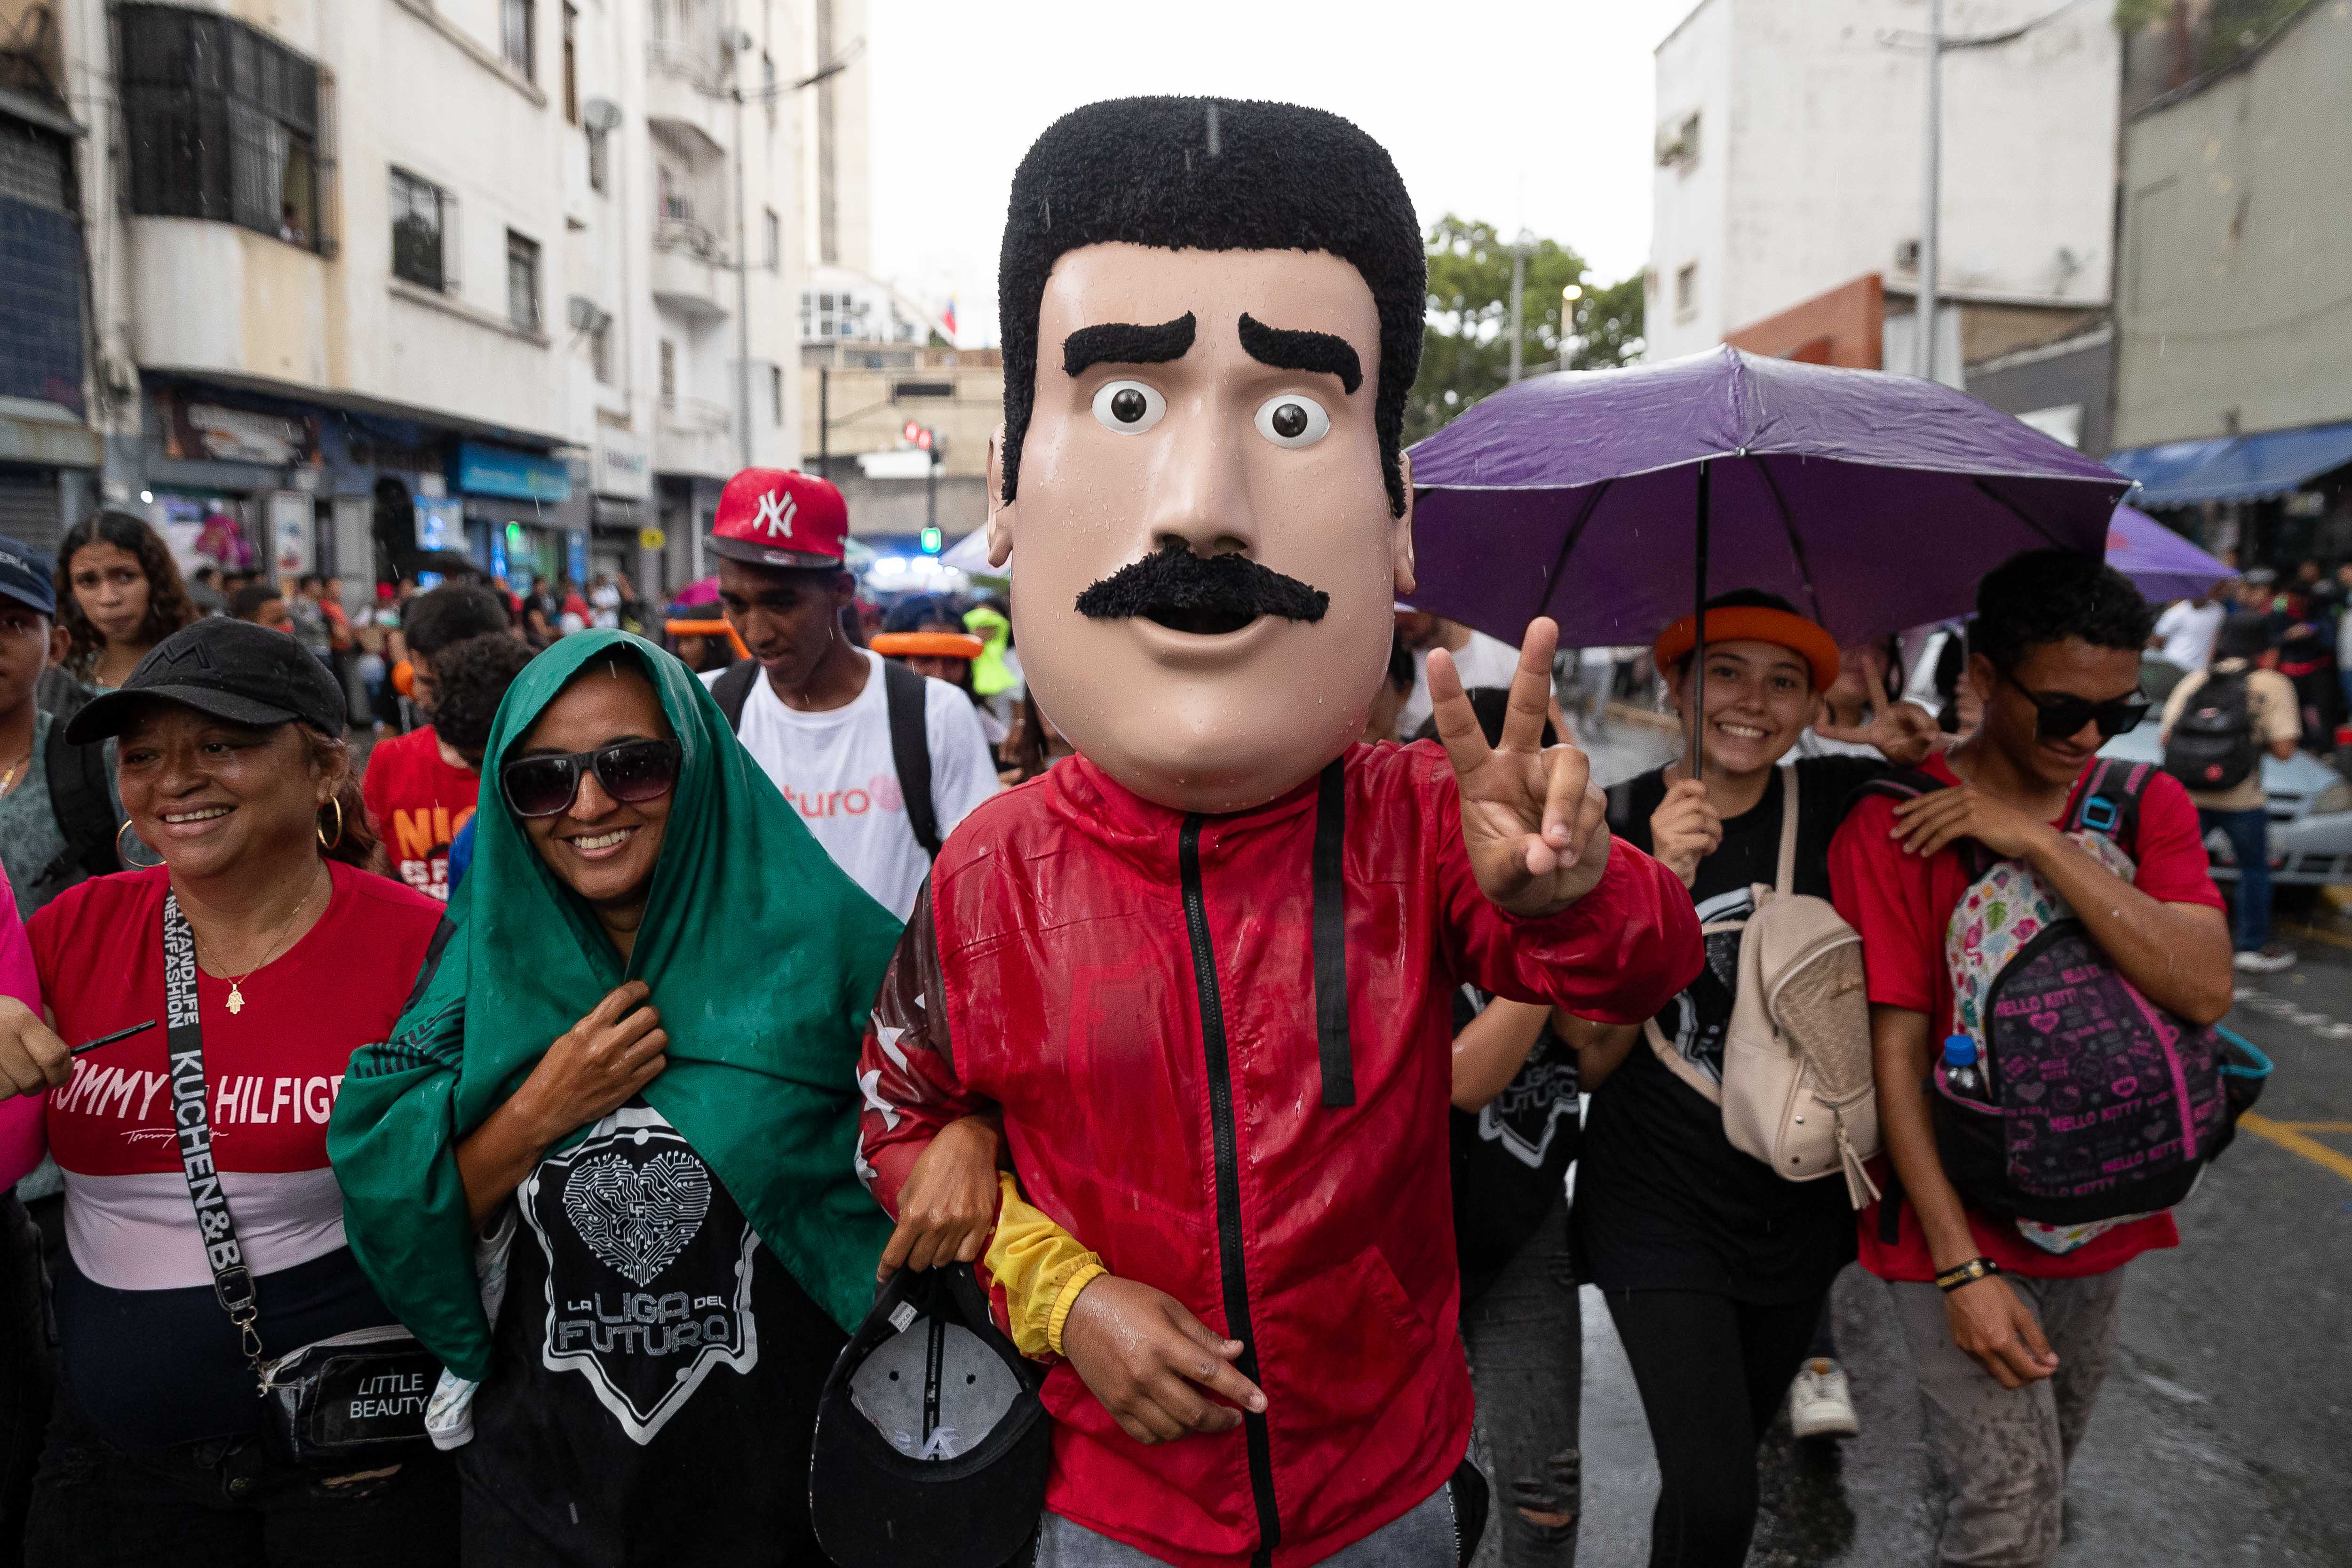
(1686, 289)
(571, 63)
(522, 281)
(423, 232)
(668, 369)
(222, 122)
(776, 390)
(600, 350)
(518, 22)
(776, 232)
(599, 158)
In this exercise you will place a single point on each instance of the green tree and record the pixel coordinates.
(1466, 350)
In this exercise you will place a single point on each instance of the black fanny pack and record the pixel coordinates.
(355, 1395)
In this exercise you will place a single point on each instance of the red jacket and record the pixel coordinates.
(1136, 990)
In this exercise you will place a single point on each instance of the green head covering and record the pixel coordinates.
(990, 673)
(763, 959)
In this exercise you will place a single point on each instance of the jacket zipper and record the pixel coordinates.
(1229, 1180)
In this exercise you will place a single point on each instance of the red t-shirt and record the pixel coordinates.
(271, 1070)
(417, 801)
(1901, 905)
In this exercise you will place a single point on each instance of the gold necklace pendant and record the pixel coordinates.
(235, 999)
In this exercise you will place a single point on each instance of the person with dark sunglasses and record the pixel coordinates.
(2012, 1325)
(621, 1109)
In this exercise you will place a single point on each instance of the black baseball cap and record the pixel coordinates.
(235, 670)
(25, 577)
(932, 1444)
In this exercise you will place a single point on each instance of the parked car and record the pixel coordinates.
(2311, 813)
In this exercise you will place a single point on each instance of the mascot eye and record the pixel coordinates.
(1128, 407)
(1293, 420)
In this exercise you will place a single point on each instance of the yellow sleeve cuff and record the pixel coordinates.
(1040, 1267)
(1086, 1276)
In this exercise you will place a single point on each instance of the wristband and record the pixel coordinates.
(1968, 1273)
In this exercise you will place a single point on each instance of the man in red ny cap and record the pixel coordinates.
(881, 762)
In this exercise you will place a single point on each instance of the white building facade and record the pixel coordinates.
(1790, 158)
(370, 278)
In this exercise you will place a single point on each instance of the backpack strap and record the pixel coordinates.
(82, 803)
(910, 751)
(733, 688)
(2106, 801)
(1784, 878)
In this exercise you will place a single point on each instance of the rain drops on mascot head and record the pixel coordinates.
(1205, 386)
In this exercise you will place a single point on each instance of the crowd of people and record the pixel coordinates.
(529, 1109)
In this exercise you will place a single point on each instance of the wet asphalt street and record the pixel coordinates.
(2224, 1432)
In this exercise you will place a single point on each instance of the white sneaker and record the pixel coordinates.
(2270, 960)
(1820, 1404)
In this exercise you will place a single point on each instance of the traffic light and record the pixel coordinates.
(917, 436)
(931, 541)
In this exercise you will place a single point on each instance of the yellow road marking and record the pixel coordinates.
(2317, 1126)
(2290, 1136)
(2332, 939)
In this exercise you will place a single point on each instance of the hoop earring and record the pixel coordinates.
(324, 842)
(122, 856)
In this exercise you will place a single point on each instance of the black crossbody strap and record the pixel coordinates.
(184, 1042)
(904, 697)
(733, 690)
(1331, 935)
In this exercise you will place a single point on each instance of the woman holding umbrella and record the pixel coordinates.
(1714, 1268)
(609, 1183)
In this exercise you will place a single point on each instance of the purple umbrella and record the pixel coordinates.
(1873, 501)
(1615, 501)
(2164, 565)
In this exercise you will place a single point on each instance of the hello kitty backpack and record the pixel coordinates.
(2099, 1105)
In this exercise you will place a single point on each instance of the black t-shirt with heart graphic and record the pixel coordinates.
(655, 1375)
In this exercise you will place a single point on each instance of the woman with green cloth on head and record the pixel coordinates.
(605, 1167)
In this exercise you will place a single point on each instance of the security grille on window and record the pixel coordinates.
(668, 369)
(600, 350)
(599, 159)
(1686, 288)
(223, 122)
(423, 216)
(522, 281)
(517, 26)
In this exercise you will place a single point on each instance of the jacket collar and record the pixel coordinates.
(1094, 802)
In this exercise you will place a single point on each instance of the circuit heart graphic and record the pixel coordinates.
(637, 1218)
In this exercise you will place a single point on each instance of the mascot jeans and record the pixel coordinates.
(1525, 1334)
(1424, 1538)
(2005, 1450)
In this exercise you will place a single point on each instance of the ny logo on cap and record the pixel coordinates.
(776, 510)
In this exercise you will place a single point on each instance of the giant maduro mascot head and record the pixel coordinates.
(1211, 311)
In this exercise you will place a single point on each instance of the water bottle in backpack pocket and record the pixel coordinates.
(2211, 745)
(2092, 1105)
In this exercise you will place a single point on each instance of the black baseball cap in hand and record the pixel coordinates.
(932, 1444)
(230, 669)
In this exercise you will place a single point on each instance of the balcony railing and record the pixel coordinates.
(691, 235)
(699, 64)
(695, 416)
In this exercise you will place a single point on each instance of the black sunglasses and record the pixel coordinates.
(2061, 714)
(631, 772)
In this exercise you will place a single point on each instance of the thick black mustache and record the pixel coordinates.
(1208, 594)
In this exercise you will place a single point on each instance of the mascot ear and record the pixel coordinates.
(1000, 510)
(1400, 532)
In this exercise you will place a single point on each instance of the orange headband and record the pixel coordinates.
(718, 628)
(927, 644)
(1753, 623)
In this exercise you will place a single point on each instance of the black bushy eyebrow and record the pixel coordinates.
(1287, 350)
(1123, 343)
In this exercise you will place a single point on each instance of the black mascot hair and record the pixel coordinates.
(1213, 174)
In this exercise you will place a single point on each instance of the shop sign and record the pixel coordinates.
(486, 471)
(440, 522)
(623, 468)
(200, 432)
(290, 527)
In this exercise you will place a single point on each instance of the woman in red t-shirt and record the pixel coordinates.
(233, 768)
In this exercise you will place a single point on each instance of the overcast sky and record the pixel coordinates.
(1534, 111)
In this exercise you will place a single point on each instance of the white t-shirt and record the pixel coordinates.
(837, 768)
(1482, 661)
(2187, 630)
